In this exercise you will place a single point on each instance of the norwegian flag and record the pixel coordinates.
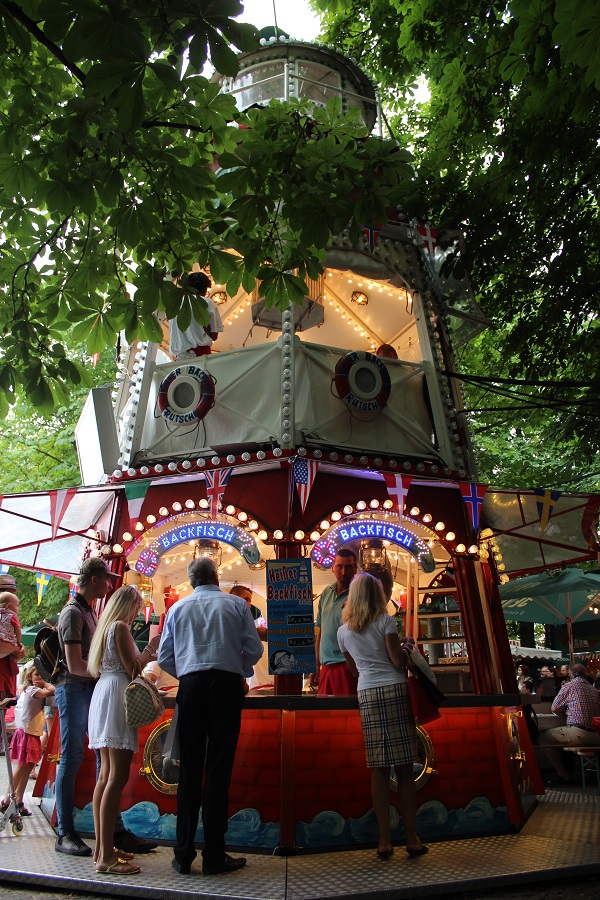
(305, 471)
(473, 495)
(371, 235)
(216, 480)
(397, 488)
(429, 236)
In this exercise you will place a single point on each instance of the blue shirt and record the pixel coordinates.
(329, 619)
(209, 630)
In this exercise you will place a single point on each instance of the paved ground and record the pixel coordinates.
(580, 889)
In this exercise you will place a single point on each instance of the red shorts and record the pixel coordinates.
(337, 679)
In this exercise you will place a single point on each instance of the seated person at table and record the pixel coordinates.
(579, 701)
(161, 680)
(547, 688)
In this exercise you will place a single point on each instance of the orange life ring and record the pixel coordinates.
(362, 381)
(186, 394)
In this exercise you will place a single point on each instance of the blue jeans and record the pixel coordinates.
(73, 703)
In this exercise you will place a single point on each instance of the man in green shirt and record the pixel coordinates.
(332, 675)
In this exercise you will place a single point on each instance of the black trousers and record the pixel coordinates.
(210, 712)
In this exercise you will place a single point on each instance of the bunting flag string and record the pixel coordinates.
(472, 495)
(135, 493)
(305, 471)
(59, 504)
(42, 580)
(216, 481)
(546, 505)
(397, 488)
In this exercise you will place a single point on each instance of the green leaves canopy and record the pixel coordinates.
(110, 143)
(506, 149)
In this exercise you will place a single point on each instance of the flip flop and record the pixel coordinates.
(120, 867)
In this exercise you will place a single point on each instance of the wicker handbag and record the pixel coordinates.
(143, 703)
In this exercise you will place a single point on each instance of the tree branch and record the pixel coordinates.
(15, 10)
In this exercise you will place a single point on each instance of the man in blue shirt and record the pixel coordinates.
(208, 643)
(332, 674)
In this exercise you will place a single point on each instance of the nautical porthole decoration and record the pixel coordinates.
(186, 395)
(362, 382)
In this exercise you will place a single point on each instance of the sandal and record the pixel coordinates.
(120, 867)
(23, 811)
(123, 855)
(4, 806)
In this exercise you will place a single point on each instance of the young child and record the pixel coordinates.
(10, 628)
(26, 747)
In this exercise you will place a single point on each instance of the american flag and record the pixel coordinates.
(304, 475)
(397, 488)
(473, 495)
(216, 479)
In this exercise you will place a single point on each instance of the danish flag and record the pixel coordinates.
(429, 236)
(397, 488)
(216, 480)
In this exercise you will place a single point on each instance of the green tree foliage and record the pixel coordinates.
(38, 452)
(55, 597)
(506, 149)
(111, 140)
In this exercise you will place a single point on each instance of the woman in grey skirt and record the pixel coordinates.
(370, 643)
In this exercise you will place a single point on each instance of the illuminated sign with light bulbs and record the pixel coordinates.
(324, 551)
(197, 530)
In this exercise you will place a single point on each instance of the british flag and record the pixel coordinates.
(304, 475)
(216, 480)
(371, 235)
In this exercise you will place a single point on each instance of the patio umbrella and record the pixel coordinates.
(552, 598)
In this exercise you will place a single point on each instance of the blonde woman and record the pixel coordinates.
(113, 656)
(371, 646)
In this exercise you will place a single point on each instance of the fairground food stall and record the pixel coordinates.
(290, 440)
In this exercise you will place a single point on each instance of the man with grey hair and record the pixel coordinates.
(208, 642)
(579, 701)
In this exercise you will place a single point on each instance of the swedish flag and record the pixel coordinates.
(42, 579)
(545, 505)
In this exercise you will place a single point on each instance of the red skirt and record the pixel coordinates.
(25, 749)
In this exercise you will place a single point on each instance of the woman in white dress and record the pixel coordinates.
(113, 656)
(370, 643)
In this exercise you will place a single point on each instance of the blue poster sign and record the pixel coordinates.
(290, 615)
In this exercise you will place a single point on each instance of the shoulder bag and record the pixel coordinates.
(425, 696)
(143, 703)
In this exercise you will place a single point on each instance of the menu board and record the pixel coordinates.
(290, 615)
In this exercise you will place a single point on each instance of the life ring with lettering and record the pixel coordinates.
(363, 382)
(186, 395)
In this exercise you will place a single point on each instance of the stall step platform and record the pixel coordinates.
(544, 850)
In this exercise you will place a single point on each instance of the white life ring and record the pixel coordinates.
(186, 394)
(363, 382)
